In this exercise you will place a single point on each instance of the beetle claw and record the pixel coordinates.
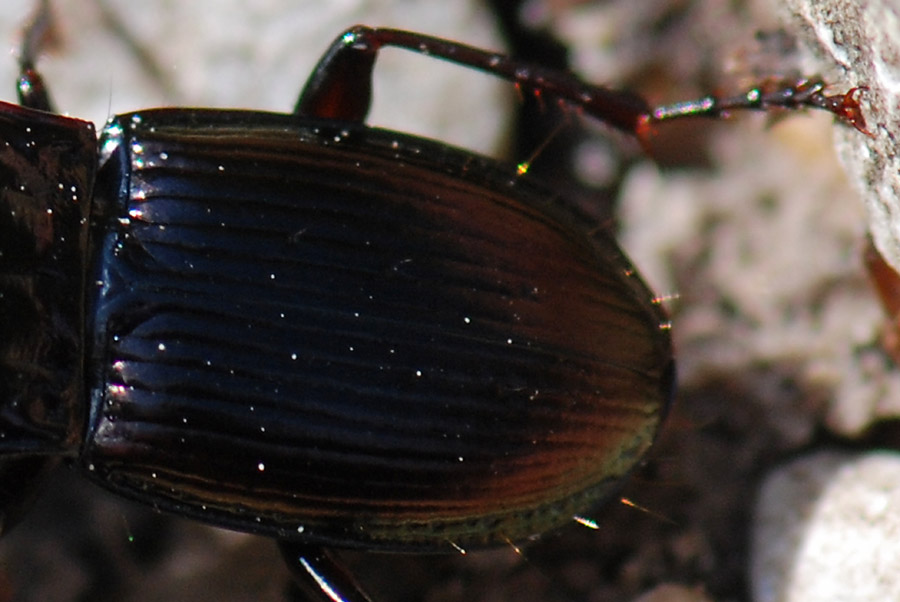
(846, 107)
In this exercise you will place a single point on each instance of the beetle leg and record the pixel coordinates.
(30, 85)
(320, 575)
(340, 86)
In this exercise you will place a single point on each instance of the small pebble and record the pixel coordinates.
(827, 529)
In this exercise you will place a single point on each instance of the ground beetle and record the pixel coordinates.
(337, 336)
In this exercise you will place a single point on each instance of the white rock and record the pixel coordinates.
(856, 43)
(826, 529)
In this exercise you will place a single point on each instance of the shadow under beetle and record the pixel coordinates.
(337, 336)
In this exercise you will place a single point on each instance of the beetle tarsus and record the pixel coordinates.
(773, 94)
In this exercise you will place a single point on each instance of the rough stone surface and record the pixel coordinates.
(826, 529)
(858, 43)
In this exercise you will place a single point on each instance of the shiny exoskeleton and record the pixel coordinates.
(338, 336)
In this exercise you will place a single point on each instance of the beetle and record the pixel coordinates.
(299, 326)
